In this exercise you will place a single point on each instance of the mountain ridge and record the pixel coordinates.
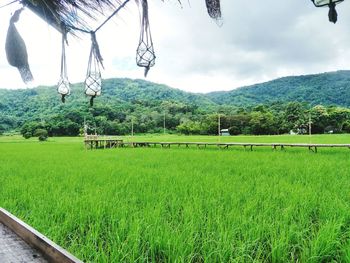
(329, 88)
(122, 97)
(323, 88)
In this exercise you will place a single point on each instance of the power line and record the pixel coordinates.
(9, 3)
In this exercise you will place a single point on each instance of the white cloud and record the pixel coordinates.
(259, 40)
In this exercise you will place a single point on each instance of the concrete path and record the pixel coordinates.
(15, 250)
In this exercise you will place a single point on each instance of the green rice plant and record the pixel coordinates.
(183, 204)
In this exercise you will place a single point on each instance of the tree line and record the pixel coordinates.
(175, 117)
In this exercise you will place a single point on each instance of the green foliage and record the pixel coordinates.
(189, 127)
(346, 127)
(145, 104)
(331, 88)
(27, 135)
(41, 134)
(234, 130)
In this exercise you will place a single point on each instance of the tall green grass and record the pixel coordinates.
(183, 205)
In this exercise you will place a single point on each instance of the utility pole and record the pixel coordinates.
(132, 127)
(310, 124)
(164, 123)
(219, 125)
(85, 128)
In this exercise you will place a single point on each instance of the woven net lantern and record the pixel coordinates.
(332, 14)
(145, 55)
(93, 81)
(63, 86)
(93, 84)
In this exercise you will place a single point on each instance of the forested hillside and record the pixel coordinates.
(331, 88)
(270, 108)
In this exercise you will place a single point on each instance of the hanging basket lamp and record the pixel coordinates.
(63, 86)
(93, 80)
(332, 14)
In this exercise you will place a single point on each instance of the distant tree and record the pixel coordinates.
(346, 127)
(189, 127)
(27, 135)
(2, 129)
(234, 130)
(210, 125)
(320, 119)
(337, 117)
(28, 129)
(263, 123)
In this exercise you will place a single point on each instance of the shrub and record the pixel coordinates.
(346, 127)
(234, 130)
(41, 134)
(27, 135)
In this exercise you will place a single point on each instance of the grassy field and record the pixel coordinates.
(183, 205)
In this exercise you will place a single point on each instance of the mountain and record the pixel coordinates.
(119, 97)
(331, 88)
(124, 98)
(114, 91)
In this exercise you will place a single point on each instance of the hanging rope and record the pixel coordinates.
(16, 51)
(93, 81)
(14, 1)
(145, 55)
(63, 86)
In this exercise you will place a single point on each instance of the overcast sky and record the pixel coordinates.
(258, 41)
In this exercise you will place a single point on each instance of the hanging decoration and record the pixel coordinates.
(63, 86)
(16, 51)
(332, 14)
(214, 9)
(63, 16)
(145, 56)
(93, 81)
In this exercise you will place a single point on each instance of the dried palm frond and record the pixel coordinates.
(75, 13)
(70, 13)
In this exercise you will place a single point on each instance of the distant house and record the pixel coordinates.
(298, 131)
(291, 132)
(224, 132)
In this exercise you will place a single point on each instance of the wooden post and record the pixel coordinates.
(310, 126)
(132, 127)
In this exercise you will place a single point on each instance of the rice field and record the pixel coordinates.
(183, 205)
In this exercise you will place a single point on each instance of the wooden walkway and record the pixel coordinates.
(20, 243)
(96, 143)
